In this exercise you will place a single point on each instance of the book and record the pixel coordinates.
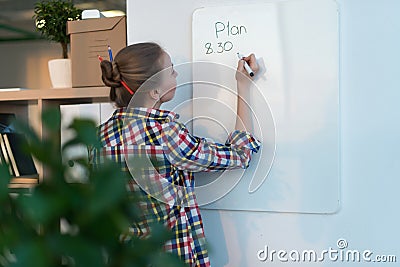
(2, 159)
(20, 161)
(11, 157)
(4, 155)
(7, 122)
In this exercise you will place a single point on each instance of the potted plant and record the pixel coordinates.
(51, 18)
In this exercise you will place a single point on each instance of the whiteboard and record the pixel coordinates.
(295, 100)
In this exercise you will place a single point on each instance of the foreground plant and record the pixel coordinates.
(93, 213)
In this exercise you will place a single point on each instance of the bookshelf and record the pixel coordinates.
(28, 105)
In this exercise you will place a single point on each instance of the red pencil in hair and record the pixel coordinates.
(127, 87)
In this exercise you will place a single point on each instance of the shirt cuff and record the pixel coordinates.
(241, 139)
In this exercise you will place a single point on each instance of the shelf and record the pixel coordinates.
(56, 94)
(28, 104)
(23, 95)
(24, 182)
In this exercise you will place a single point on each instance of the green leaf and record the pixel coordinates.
(4, 181)
(108, 189)
(166, 260)
(51, 18)
(43, 207)
(82, 251)
(51, 119)
(87, 133)
(31, 253)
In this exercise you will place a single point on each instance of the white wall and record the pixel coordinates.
(370, 139)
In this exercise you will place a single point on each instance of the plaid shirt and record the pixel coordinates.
(165, 175)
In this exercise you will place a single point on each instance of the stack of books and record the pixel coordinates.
(21, 165)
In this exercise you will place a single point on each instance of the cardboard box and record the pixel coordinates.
(90, 38)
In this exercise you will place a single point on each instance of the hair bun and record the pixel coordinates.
(115, 72)
(110, 75)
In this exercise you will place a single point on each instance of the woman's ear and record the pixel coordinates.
(154, 94)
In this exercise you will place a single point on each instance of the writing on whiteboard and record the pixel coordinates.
(224, 31)
(227, 29)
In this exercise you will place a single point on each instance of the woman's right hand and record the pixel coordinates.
(242, 76)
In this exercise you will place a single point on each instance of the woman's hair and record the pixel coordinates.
(133, 64)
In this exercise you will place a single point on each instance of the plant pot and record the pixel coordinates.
(60, 73)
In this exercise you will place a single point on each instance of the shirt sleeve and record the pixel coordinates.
(188, 152)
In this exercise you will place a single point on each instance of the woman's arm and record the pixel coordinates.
(188, 152)
(243, 118)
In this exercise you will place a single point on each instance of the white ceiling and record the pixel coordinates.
(16, 21)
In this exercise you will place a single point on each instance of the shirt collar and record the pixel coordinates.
(146, 113)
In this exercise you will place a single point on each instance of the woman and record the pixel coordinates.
(139, 123)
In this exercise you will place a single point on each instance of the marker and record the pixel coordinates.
(100, 58)
(110, 53)
(246, 66)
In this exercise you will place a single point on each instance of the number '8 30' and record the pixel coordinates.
(219, 48)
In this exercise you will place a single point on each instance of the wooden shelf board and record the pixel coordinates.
(99, 93)
(23, 95)
(75, 93)
(25, 180)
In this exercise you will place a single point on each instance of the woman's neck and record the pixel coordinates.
(143, 100)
